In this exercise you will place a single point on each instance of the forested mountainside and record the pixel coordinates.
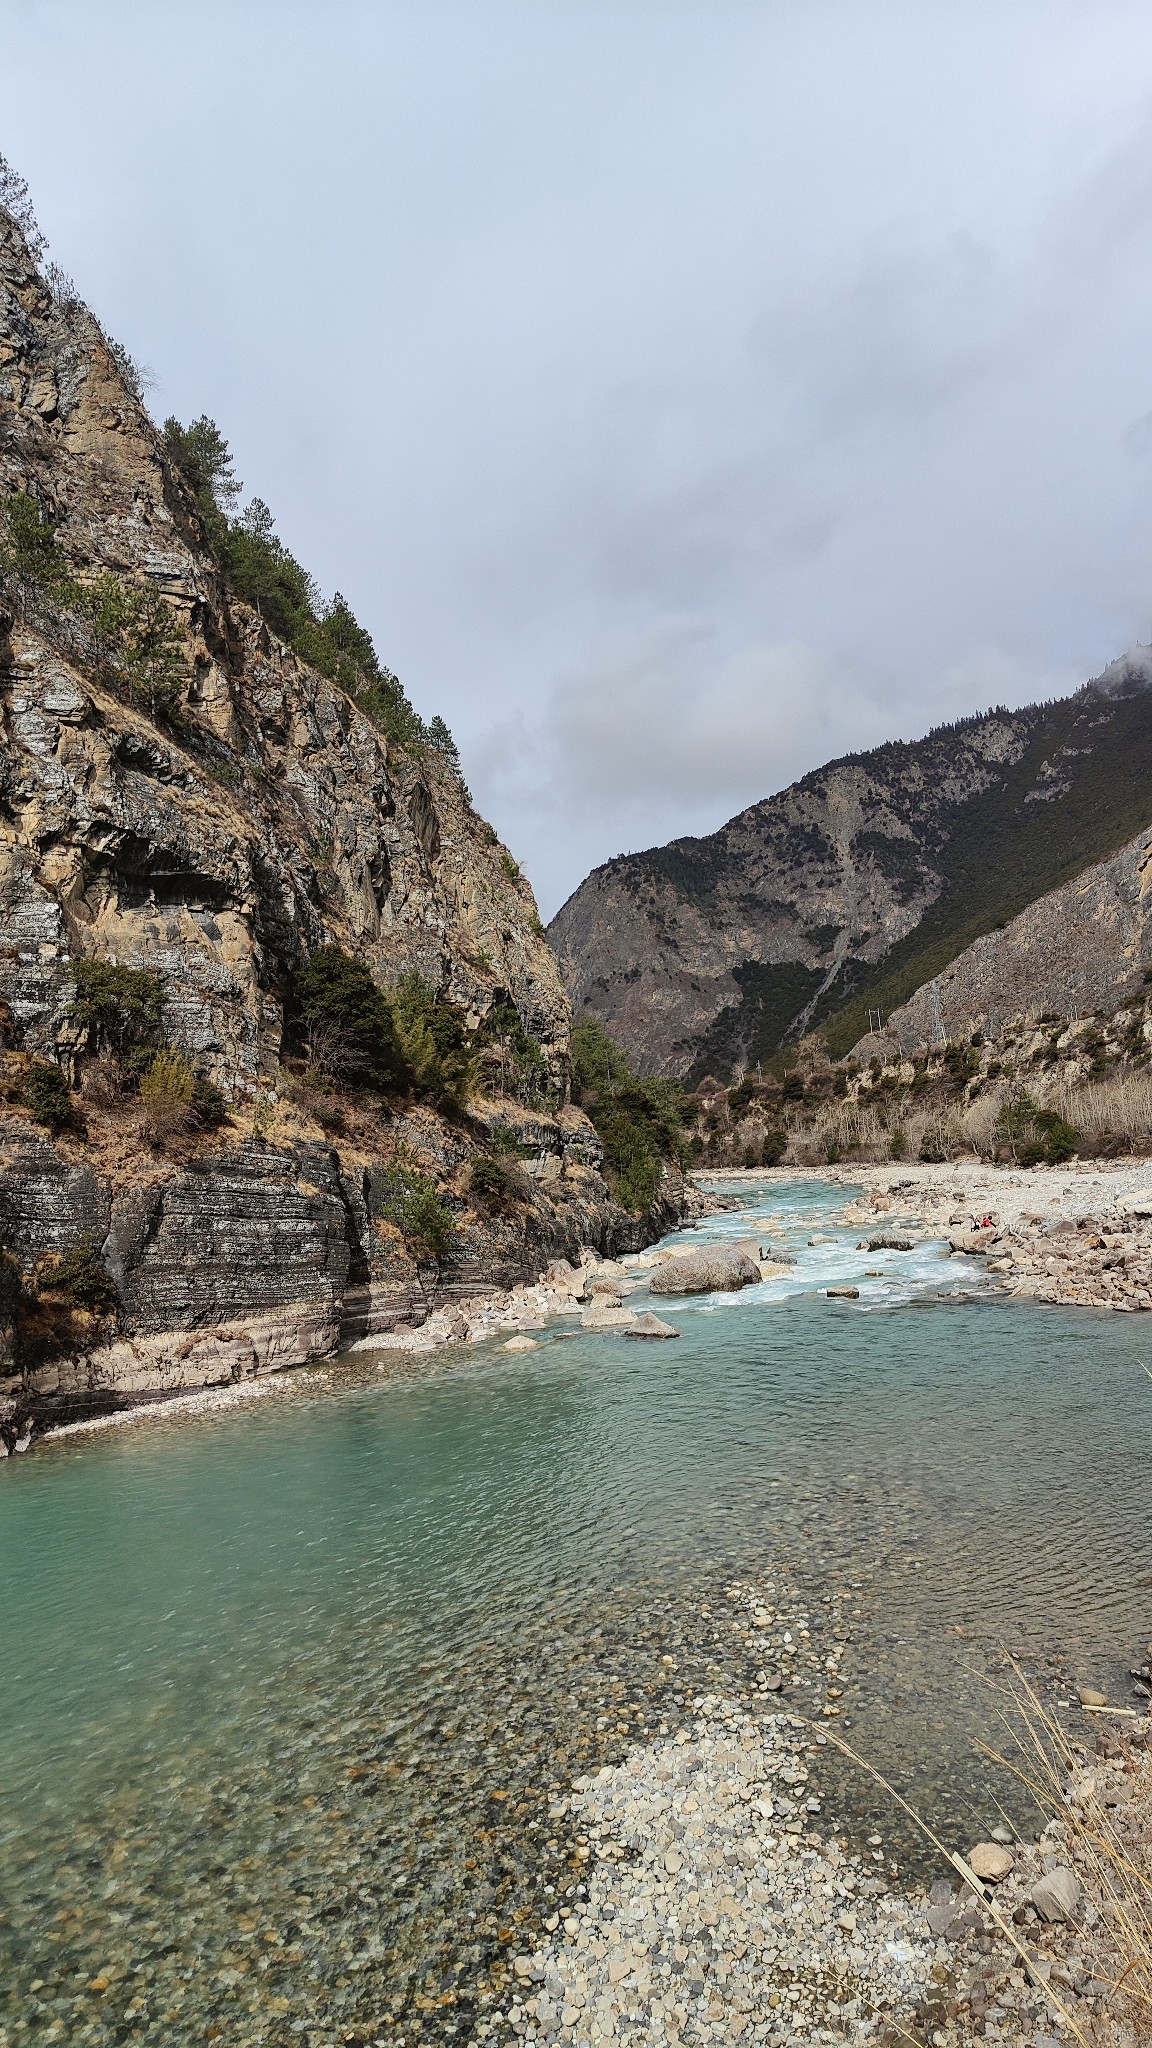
(847, 891)
(284, 1053)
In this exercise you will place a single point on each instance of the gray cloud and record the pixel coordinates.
(683, 393)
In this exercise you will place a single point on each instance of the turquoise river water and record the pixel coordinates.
(285, 1691)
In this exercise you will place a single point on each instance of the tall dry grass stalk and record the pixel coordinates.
(1111, 1846)
(1112, 1858)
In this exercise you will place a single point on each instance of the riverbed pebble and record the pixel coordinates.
(713, 1912)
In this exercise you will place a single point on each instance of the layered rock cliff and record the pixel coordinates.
(217, 847)
(860, 882)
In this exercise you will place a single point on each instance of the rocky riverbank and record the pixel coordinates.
(1078, 1234)
(719, 1906)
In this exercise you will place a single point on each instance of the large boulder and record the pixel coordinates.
(710, 1270)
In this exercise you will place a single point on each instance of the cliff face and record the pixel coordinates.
(854, 886)
(1081, 948)
(218, 849)
(277, 818)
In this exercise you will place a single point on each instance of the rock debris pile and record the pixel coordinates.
(1081, 1239)
(1051, 1894)
(711, 1914)
(713, 1911)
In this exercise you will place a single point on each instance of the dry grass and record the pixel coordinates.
(1108, 1845)
(1112, 1116)
(1111, 1847)
(1120, 1108)
(167, 1107)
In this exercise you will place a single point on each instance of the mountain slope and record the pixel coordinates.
(1085, 947)
(861, 881)
(191, 810)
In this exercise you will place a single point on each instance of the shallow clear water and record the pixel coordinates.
(284, 1692)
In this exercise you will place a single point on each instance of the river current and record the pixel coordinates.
(288, 1692)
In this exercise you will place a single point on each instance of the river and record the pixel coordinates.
(287, 1691)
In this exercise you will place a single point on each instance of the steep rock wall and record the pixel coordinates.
(275, 818)
(218, 850)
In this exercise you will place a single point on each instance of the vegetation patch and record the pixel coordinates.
(82, 1279)
(409, 1200)
(48, 1099)
(124, 634)
(640, 1123)
(122, 1010)
(491, 1184)
(263, 573)
(351, 1031)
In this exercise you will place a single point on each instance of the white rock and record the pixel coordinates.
(1056, 1895)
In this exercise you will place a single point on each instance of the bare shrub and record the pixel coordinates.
(314, 1097)
(1119, 1109)
(978, 1123)
(102, 1081)
(943, 1136)
(839, 1131)
(335, 1052)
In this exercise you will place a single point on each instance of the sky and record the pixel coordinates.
(683, 392)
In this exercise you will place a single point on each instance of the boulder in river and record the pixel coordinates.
(607, 1315)
(718, 1269)
(648, 1325)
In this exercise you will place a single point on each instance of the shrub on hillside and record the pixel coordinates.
(123, 632)
(640, 1123)
(82, 1279)
(774, 1147)
(122, 1009)
(1032, 1136)
(351, 1031)
(47, 1097)
(264, 573)
(174, 1099)
(491, 1184)
(513, 1054)
(409, 1200)
(436, 1047)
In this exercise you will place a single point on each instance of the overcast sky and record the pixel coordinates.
(683, 393)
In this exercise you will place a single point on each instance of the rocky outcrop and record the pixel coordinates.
(274, 818)
(1081, 948)
(850, 889)
(264, 816)
(250, 1257)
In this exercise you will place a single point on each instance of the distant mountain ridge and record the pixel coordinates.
(847, 891)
